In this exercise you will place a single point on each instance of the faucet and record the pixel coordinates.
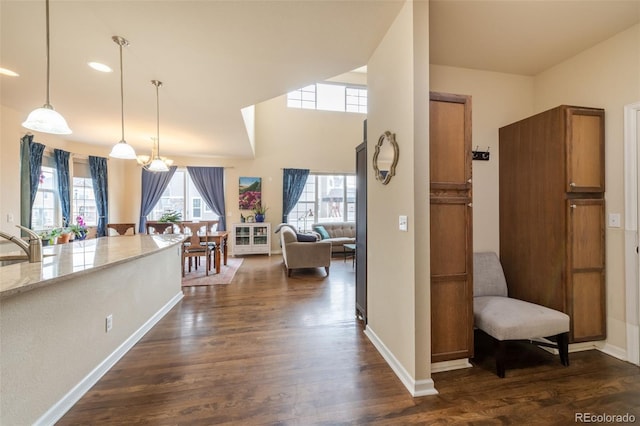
(33, 248)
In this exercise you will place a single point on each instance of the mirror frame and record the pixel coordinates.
(391, 137)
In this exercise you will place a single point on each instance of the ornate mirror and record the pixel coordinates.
(386, 157)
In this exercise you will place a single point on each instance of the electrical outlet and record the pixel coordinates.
(109, 322)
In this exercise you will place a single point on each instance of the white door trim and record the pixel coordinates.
(632, 271)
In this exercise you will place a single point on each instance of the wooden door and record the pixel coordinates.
(586, 274)
(451, 227)
(361, 230)
(585, 149)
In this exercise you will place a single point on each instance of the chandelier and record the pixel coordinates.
(156, 163)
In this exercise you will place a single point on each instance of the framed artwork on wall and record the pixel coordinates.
(250, 192)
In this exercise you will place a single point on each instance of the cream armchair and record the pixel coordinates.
(303, 254)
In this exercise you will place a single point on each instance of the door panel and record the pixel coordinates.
(451, 333)
(447, 141)
(586, 275)
(588, 322)
(585, 162)
(449, 239)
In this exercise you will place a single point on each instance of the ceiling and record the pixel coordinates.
(217, 57)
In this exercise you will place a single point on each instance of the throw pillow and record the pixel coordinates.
(306, 238)
(323, 232)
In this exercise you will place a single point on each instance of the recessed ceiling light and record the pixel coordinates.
(9, 72)
(100, 67)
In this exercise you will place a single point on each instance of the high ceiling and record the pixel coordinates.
(217, 57)
(522, 36)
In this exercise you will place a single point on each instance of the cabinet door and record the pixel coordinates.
(586, 275)
(451, 227)
(585, 150)
(260, 235)
(451, 281)
(450, 141)
(242, 235)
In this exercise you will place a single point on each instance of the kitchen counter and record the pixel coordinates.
(66, 321)
(64, 261)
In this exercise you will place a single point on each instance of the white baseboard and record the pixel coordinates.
(614, 351)
(415, 387)
(58, 410)
(633, 344)
(456, 364)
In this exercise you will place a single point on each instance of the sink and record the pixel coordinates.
(10, 260)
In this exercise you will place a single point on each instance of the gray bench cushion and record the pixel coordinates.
(513, 319)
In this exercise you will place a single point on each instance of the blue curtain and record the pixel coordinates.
(153, 185)
(25, 181)
(31, 157)
(62, 167)
(209, 181)
(98, 169)
(293, 181)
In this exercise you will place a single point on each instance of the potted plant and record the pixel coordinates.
(259, 211)
(48, 236)
(79, 229)
(64, 235)
(171, 216)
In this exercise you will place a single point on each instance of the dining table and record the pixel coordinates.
(220, 239)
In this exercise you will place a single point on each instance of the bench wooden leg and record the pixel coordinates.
(563, 348)
(501, 353)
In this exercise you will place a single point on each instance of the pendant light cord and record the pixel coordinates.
(157, 84)
(48, 60)
(121, 93)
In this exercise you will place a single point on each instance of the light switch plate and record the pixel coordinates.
(402, 223)
(614, 220)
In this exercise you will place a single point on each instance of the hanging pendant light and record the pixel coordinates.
(122, 149)
(46, 119)
(157, 164)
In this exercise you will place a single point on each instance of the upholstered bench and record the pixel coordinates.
(504, 318)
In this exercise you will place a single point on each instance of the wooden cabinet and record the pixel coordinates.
(552, 243)
(251, 238)
(451, 227)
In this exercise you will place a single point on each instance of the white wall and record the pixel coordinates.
(398, 281)
(497, 99)
(605, 76)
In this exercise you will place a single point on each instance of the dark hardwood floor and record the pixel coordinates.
(268, 349)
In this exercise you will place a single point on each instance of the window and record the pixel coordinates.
(304, 98)
(329, 97)
(356, 100)
(196, 208)
(181, 195)
(83, 201)
(325, 198)
(46, 207)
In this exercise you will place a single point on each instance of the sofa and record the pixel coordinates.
(297, 254)
(340, 233)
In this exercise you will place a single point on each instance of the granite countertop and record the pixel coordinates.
(62, 261)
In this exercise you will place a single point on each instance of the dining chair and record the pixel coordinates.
(159, 228)
(193, 247)
(121, 228)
